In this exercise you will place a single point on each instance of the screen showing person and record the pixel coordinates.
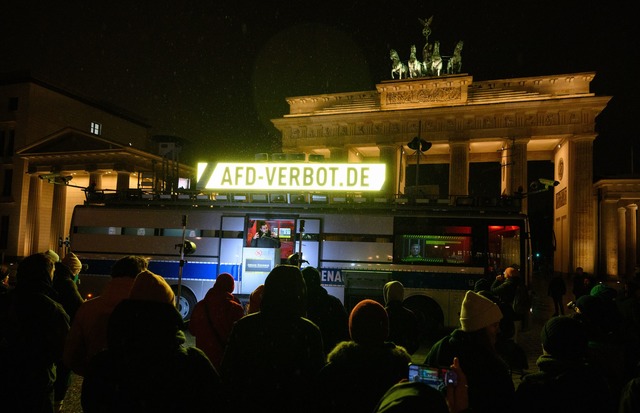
(414, 251)
(265, 237)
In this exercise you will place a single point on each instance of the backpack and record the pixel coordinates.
(522, 300)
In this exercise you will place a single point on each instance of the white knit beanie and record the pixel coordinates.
(478, 312)
(72, 262)
(52, 255)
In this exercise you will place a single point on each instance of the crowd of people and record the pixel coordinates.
(295, 347)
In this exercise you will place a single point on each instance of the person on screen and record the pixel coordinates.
(264, 237)
(414, 253)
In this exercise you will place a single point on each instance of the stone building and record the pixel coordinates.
(54, 144)
(505, 121)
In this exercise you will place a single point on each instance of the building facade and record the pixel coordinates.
(54, 145)
(508, 122)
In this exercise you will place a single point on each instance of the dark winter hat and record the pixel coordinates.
(412, 397)
(284, 291)
(311, 277)
(224, 282)
(369, 323)
(478, 312)
(591, 306)
(151, 287)
(605, 291)
(482, 284)
(393, 291)
(564, 337)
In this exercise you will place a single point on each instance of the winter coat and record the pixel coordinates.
(67, 290)
(404, 329)
(33, 329)
(213, 318)
(270, 361)
(329, 314)
(564, 386)
(88, 334)
(273, 354)
(505, 289)
(359, 375)
(630, 397)
(491, 387)
(147, 367)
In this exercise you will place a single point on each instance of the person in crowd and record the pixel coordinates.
(507, 348)
(605, 349)
(556, 290)
(4, 279)
(255, 300)
(361, 370)
(213, 317)
(147, 367)
(630, 397)
(403, 323)
(88, 333)
(33, 330)
(265, 237)
(64, 283)
(325, 310)
(505, 287)
(629, 308)
(417, 397)
(274, 354)
(581, 283)
(565, 381)
(491, 388)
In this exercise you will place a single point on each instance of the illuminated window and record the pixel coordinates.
(96, 128)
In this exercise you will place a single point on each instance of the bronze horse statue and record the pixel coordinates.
(398, 66)
(455, 62)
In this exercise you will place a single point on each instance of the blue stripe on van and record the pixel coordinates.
(169, 269)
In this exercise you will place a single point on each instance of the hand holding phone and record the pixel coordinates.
(437, 377)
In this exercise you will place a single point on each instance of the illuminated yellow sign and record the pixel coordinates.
(291, 176)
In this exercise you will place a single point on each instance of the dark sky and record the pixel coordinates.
(215, 73)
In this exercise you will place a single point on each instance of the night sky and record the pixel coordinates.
(214, 73)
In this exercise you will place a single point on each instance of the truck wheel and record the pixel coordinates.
(186, 303)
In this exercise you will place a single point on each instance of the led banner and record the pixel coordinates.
(291, 176)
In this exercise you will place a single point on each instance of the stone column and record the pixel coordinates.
(582, 237)
(389, 156)
(58, 216)
(631, 236)
(32, 224)
(622, 241)
(458, 168)
(515, 168)
(338, 155)
(609, 237)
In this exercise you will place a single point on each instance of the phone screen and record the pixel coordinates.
(436, 377)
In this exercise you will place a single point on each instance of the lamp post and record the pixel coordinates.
(419, 145)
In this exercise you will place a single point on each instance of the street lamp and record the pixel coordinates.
(420, 146)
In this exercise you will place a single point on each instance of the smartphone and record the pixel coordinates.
(436, 377)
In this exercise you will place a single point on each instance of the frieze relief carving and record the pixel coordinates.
(443, 94)
(432, 124)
